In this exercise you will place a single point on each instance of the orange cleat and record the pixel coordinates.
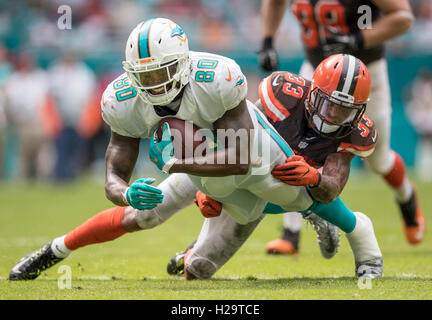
(414, 221)
(415, 234)
(281, 246)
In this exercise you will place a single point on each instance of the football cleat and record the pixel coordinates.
(327, 234)
(31, 266)
(281, 246)
(287, 244)
(413, 220)
(175, 266)
(370, 269)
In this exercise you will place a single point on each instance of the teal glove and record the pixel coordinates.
(142, 196)
(162, 152)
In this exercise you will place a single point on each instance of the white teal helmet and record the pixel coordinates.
(157, 60)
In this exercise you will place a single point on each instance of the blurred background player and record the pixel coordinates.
(72, 89)
(419, 111)
(5, 70)
(330, 27)
(26, 91)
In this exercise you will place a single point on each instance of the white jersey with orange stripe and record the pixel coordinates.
(216, 85)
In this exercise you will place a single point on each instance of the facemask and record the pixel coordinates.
(326, 128)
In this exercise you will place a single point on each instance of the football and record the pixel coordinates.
(188, 139)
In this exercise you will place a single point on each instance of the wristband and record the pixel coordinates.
(124, 198)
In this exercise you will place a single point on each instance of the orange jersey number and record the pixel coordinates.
(327, 14)
(297, 91)
(365, 127)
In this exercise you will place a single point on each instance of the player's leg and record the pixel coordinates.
(262, 184)
(306, 70)
(387, 162)
(327, 234)
(424, 158)
(359, 231)
(221, 237)
(271, 150)
(219, 240)
(288, 243)
(106, 226)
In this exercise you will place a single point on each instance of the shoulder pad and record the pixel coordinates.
(280, 92)
(217, 84)
(361, 142)
(117, 104)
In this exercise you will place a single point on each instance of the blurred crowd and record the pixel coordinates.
(51, 79)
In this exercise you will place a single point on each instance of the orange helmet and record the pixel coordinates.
(338, 95)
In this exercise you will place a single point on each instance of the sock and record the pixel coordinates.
(397, 179)
(362, 239)
(105, 226)
(404, 192)
(335, 212)
(291, 236)
(59, 248)
(292, 221)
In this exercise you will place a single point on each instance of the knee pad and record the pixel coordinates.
(200, 267)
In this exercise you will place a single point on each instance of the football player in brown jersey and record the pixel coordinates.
(324, 123)
(330, 27)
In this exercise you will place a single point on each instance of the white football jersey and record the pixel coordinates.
(216, 85)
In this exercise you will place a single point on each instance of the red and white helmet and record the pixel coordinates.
(157, 60)
(338, 95)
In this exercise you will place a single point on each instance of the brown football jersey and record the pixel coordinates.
(283, 96)
(347, 16)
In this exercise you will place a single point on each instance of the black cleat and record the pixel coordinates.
(175, 266)
(327, 234)
(31, 266)
(414, 222)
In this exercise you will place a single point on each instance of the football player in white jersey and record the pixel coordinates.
(163, 78)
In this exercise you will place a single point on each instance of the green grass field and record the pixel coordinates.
(133, 267)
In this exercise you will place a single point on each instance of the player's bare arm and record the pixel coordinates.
(120, 158)
(334, 176)
(211, 164)
(272, 13)
(397, 19)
